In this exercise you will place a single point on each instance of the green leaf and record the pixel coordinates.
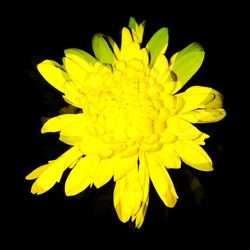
(81, 54)
(102, 50)
(186, 62)
(132, 23)
(158, 44)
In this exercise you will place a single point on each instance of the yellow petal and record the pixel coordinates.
(161, 181)
(128, 195)
(124, 165)
(140, 216)
(77, 72)
(126, 38)
(138, 33)
(90, 145)
(172, 103)
(183, 129)
(53, 73)
(170, 85)
(73, 95)
(144, 180)
(60, 122)
(203, 115)
(216, 101)
(167, 137)
(193, 155)
(73, 133)
(200, 97)
(104, 171)
(201, 139)
(161, 66)
(132, 52)
(54, 171)
(168, 157)
(81, 176)
(125, 41)
(137, 30)
(37, 172)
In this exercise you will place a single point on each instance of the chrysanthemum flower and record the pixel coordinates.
(134, 123)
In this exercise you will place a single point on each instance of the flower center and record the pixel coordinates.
(130, 111)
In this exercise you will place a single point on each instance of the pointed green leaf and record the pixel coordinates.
(132, 23)
(102, 50)
(158, 44)
(186, 62)
(81, 54)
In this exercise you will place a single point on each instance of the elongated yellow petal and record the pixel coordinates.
(137, 30)
(216, 101)
(54, 171)
(104, 171)
(81, 176)
(128, 195)
(77, 72)
(144, 180)
(186, 62)
(53, 73)
(70, 136)
(168, 137)
(58, 123)
(126, 38)
(124, 165)
(162, 67)
(132, 52)
(172, 103)
(201, 139)
(91, 145)
(200, 97)
(193, 155)
(140, 216)
(37, 172)
(183, 129)
(195, 97)
(73, 95)
(168, 157)
(203, 115)
(73, 130)
(161, 181)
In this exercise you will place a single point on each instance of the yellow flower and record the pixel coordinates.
(133, 124)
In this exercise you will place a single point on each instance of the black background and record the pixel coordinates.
(43, 29)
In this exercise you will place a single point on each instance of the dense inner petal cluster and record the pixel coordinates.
(131, 114)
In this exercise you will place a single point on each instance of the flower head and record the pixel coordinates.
(133, 123)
